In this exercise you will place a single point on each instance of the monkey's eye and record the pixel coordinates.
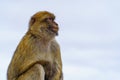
(49, 19)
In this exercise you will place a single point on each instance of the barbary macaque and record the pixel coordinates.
(38, 56)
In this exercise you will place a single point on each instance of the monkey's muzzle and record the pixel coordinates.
(54, 28)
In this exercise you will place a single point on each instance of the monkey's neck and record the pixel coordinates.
(40, 39)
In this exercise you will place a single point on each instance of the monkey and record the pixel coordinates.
(38, 56)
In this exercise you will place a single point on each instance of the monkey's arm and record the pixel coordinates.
(57, 61)
(36, 72)
(14, 69)
(59, 65)
(20, 62)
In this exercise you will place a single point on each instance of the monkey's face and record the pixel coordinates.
(43, 23)
(49, 26)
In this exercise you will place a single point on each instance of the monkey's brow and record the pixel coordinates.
(50, 16)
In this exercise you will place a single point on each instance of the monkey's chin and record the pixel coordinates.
(57, 34)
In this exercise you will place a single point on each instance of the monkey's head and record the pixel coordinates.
(43, 24)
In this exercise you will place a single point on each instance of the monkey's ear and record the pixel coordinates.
(32, 21)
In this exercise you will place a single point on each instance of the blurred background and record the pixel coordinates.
(89, 35)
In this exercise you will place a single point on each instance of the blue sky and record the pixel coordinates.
(89, 35)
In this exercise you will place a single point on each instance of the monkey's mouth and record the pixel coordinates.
(54, 29)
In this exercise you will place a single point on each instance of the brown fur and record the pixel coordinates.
(37, 56)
